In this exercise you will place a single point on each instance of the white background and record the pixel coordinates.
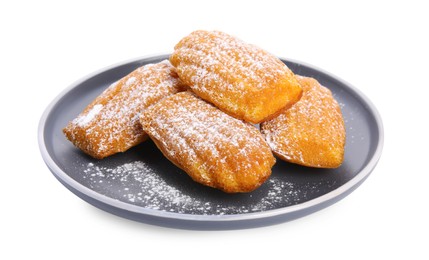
(379, 47)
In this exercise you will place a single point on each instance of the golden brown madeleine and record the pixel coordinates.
(110, 124)
(240, 79)
(311, 132)
(214, 148)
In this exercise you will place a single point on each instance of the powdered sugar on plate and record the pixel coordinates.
(139, 184)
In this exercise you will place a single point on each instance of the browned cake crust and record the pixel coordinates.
(110, 124)
(214, 148)
(311, 132)
(240, 79)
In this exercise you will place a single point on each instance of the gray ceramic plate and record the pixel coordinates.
(142, 185)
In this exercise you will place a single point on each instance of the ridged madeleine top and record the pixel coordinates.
(214, 148)
(110, 124)
(311, 132)
(239, 78)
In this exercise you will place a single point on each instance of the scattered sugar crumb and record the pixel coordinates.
(137, 183)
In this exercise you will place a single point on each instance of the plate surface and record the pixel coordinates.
(142, 185)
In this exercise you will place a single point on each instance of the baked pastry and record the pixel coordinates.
(311, 132)
(212, 147)
(240, 79)
(110, 124)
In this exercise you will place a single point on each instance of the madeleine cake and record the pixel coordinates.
(212, 147)
(240, 79)
(110, 124)
(311, 132)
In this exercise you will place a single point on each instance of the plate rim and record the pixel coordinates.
(332, 195)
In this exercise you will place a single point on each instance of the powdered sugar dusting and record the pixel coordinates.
(139, 184)
(196, 134)
(84, 119)
(218, 51)
(130, 81)
(112, 123)
(235, 76)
